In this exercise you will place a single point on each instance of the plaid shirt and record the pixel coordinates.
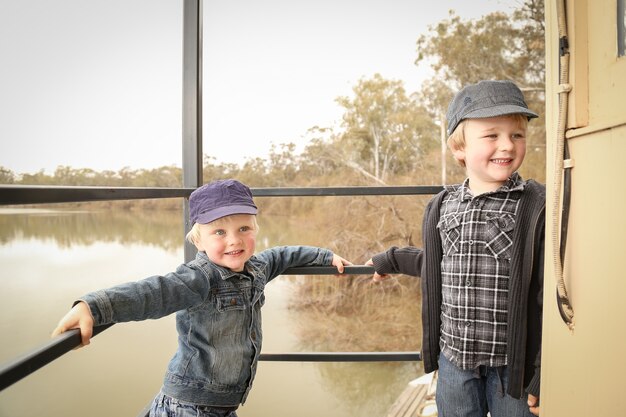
(476, 233)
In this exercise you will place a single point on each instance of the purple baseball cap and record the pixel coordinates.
(218, 199)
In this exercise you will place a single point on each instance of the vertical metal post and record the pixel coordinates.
(192, 107)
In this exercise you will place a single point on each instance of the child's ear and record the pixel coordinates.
(198, 246)
(197, 242)
(459, 154)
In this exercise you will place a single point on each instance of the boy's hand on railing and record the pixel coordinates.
(339, 263)
(376, 277)
(79, 317)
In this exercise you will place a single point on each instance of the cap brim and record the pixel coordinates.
(501, 110)
(218, 213)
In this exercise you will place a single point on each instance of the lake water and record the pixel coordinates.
(50, 257)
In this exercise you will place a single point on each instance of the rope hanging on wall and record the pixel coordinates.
(562, 172)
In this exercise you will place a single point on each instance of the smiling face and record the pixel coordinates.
(229, 241)
(494, 149)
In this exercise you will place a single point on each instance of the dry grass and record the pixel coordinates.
(355, 314)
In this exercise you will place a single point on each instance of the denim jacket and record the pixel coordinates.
(218, 319)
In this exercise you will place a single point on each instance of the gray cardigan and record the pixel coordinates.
(525, 303)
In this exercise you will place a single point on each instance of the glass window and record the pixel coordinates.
(89, 88)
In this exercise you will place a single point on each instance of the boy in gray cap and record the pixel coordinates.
(217, 299)
(482, 262)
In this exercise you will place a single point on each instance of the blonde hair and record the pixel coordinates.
(456, 140)
(193, 235)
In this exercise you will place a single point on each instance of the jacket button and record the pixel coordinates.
(233, 301)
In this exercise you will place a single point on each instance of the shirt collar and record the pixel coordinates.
(462, 191)
(514, 183)
(225, 273)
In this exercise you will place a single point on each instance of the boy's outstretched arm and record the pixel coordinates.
(339, 263)
(376, 277)
(79, 317)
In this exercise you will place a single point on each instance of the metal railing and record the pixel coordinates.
(21, 367)
(37, 194)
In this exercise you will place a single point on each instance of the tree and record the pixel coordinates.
(385, 131)
(6, 176)
(497, 46)
(318, 160)
(38, 178)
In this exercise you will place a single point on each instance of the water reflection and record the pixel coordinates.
(359, 383)
(51, 256)
(67, 228)
(117, 223)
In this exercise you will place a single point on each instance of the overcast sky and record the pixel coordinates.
(97, 84)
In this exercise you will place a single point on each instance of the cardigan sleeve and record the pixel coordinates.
(406, 260)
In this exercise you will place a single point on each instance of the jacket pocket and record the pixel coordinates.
(230, 301)
(450, 230)
(499, 236)
(228, 322)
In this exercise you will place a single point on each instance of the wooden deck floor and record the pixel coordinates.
(417, 399)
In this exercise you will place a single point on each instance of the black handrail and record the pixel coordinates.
(342, 357)
(39, 194)
(36, 359)
(330, 270)
(23, 366)
(346, 191)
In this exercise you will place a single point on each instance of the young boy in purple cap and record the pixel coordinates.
(217, 299)
(482, 262)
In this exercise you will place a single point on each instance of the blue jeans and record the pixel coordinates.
(475, 392)
(166, 406)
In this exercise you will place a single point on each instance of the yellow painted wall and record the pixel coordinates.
(583, 370)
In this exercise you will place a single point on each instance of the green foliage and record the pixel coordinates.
(385, 131)
(6, 176)
(166, 176)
